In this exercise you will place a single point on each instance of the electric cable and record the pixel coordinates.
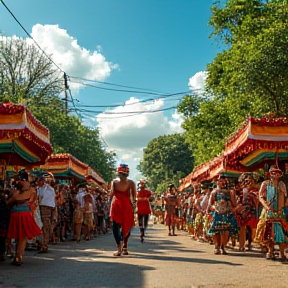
(113, 84)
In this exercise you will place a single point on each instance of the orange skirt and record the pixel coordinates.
(22, 224)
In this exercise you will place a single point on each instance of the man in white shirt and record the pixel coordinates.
(80, 195)
(46, 197)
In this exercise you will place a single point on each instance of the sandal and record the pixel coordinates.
(125, 251)
(217, 251)
(117, 254)
(223, 250)
(17, 261)
(270, 256)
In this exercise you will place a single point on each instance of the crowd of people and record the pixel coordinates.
(240, 212)
(36, 212)
(244, 212)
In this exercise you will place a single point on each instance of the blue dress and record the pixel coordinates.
(275, 220)
(223, 218)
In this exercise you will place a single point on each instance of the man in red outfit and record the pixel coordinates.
(143, 207)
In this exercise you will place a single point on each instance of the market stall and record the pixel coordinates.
(92, 176)
(23, 140)
(66, 167)
(210, 170)
(95, 180)
(258, 142)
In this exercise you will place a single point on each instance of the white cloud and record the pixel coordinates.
(127, 134)
(123, 128)
(197, 82)
(69, 55)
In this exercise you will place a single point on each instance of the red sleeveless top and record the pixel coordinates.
(121, 210)
(143, 204)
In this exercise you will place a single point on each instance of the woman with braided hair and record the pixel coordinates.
(122, 214)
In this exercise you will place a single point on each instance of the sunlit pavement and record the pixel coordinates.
(161, 261)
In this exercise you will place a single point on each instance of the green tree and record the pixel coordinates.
(249, 76)
(166, 159)
(255, 65)
(26, 72)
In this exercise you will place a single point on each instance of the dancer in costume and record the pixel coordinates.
(22, 224)
(143, 208)
(207, 217)
(171, 203)
(122, 214)
(272, 228)
(249, 210)
(224, 223)
(197, 211)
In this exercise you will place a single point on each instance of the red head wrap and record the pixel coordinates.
(123, 168)
(275, 170)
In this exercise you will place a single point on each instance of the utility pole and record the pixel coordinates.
(66, 87)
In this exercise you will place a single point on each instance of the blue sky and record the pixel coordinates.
(153, 44)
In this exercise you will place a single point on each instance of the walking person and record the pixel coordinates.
(143, 208)
(46, 198)
(224, 224)
(122, 214)
(22, 225)
(171, 203)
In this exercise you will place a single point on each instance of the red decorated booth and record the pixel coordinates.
(23, 140)
(93, 177)
(65, 166)
(256, 143)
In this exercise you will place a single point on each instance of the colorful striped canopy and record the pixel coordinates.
(258, 141)
(65, 166)
(23, 140)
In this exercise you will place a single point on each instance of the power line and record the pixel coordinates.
(113, 84)
(140, 101)
(72, 100)
(127, 112)
(111, 89)
(145, 91)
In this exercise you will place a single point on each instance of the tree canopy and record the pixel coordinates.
(248, 76)
(166, 159)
